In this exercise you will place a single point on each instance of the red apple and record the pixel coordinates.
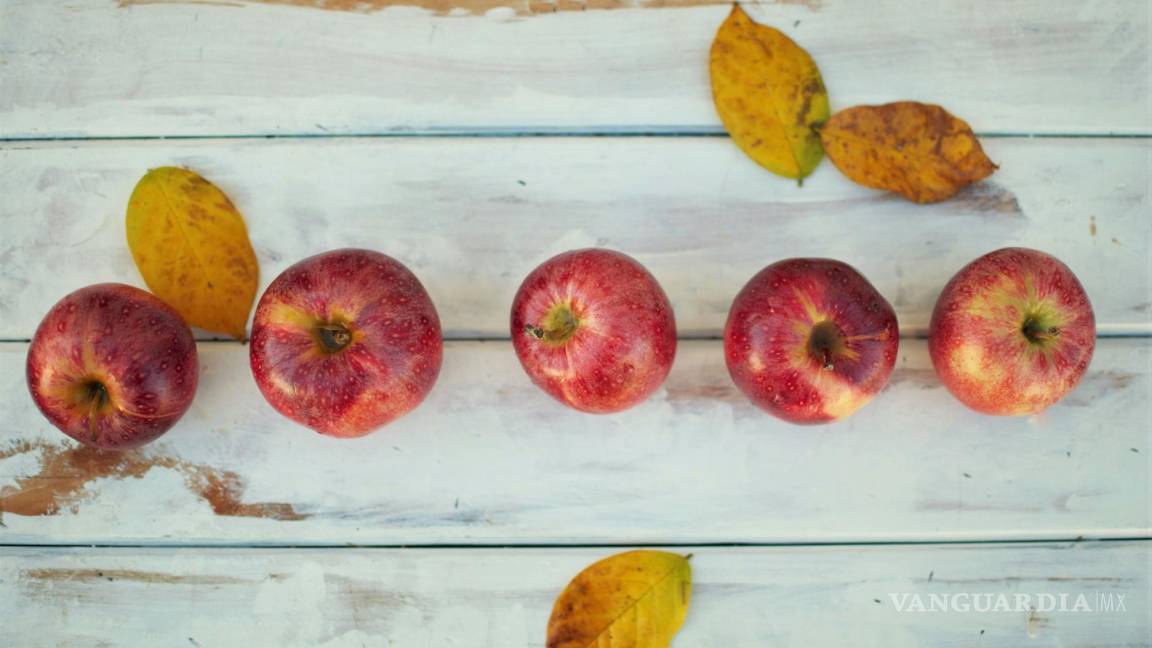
(594, 330)
(346, 341)
(112, 366)
(810, 340)
(1012, 333)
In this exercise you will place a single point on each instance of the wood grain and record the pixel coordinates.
(743, 597)
(488, 458)
(112, 68)
(472, 217)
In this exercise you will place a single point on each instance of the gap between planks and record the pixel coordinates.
(589, 545)
(499, 133)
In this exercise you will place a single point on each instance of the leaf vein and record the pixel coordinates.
(172, 214)
(633, 606)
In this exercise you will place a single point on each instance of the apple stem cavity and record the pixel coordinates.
(333, 337)
(825, 342)
(558, 326)
(95, 394)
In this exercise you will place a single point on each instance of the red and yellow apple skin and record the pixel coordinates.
(594, 330)
(112, 366)
(345, 342)
(810, 340)
(1012, 333)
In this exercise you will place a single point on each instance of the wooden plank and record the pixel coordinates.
(473, 216)
(742, 597)
(488, 458)
(159, 68)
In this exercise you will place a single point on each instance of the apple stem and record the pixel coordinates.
(1036, 333)
(828, 360)
(96, 395)
(558, 326)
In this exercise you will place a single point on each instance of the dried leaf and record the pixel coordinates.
(920, 151)
(769, 94)
(636, 599)
(192, 248)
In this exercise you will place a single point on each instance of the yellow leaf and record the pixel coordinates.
(192, 247)
(769, 94)
(636, 599)
(920, 151)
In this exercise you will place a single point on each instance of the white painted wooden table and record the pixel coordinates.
(472, 139)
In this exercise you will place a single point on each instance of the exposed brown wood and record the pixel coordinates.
(65, 471)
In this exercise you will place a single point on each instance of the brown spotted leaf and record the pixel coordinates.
(637, 599)
(769, 94)
(920, 151)
(192, 247)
